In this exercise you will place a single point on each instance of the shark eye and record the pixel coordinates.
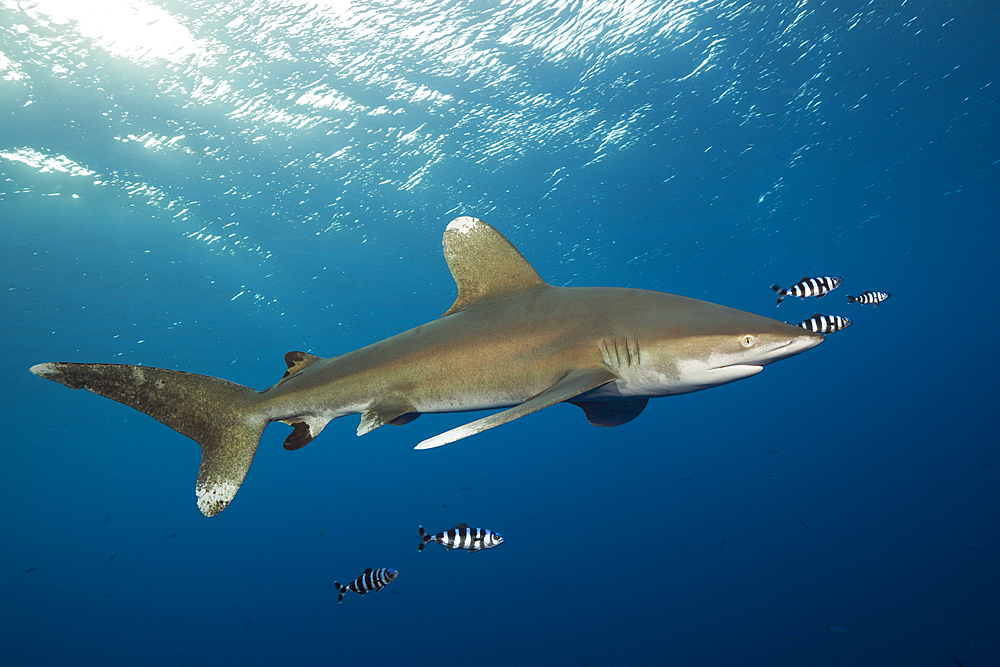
(747, 340)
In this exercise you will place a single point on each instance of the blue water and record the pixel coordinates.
(204, 187)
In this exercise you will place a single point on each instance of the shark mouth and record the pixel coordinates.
(734, 372)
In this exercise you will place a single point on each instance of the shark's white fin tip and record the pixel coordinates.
(42, 369)
(429, 444)
(464, 224)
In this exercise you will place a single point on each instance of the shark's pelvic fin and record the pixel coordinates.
(214, 413)
(572, 384)
(386, 414)
(484, 263)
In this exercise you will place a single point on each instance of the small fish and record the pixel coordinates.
(106, 520)
(972, 545)
(371, 580)
(461, 537)
(806, 525)
(30, 570)
(835, 628)
(111, 557)
(825, 324)
(171, 536)
(817, 287)
(874, 298)
(958, 663)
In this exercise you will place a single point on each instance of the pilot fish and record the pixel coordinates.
(817, 287)
(462, 537)
(371, 580)
(874, 298)
(825, 324)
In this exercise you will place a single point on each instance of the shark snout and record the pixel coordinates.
(796, 345)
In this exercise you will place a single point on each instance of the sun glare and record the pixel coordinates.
(132, 29)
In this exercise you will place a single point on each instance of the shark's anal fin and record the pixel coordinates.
(572, 384)
(393, 413)
(613, 412)
(304, 429)
(299, 437)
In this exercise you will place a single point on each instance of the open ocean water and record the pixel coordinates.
(206, 186)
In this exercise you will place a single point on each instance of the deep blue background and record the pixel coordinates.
(205, 187)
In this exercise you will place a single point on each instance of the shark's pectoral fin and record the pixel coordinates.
(395, 413)
(572, 384)
(612, 413)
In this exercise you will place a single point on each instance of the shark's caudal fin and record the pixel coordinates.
(214, 413)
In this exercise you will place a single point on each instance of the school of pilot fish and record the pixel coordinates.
(471, 539)
(820, 286)
(461, 536)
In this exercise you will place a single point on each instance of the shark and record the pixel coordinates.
(510, 342)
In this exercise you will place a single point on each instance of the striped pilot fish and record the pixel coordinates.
(817, 287)
(371, 580)
(825, 324)
(874, 298)
(462, 537)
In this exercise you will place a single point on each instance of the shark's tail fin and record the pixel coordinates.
(214, 413)
(425, 538)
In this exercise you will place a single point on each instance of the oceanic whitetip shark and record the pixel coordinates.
(510, 342)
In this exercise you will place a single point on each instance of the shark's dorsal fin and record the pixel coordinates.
(484, 263)
(296, 362)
